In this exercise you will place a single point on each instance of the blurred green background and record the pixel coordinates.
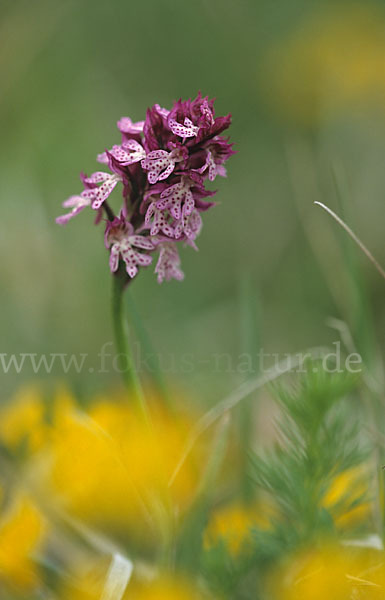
(305, 82)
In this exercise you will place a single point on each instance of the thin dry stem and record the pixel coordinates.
(354, 237)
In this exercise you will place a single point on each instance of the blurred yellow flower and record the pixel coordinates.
(232, 525)
(111, 469)
(333, 572)
(347, 498)
(22, 421)
(105, 466)
(164, 588)
(332, 62)
(22, 530)
(88, 584)
(25, 420)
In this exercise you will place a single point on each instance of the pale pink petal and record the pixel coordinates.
(77, 203)
(153, 176)
(162, 204)
(102, 158)
(114, 258)
(156, 154)
(175, 208)
(189, 203)
(128, 153)
(73, 201)
(168, 230)
(125, 125)
(141, 242)
(178, 230)
(212, 170)
(119, 153)
(63, 219)
(149, 213)
(101, 194)
(133, 145)
(168, 265)
(184, 131)
(170, 190)
(97, 177)
(89, 193)
(131, 267)
(143, 259)
(160, 223)
(167, 172)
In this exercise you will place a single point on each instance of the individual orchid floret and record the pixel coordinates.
(188, 226)
(173, 197)
(128, 153)
(213, 168)
(157, 220)
(168, 265)
(123, 243)
(216, 152)
(125, 125)
(160, 163)
(77, 204)
(98, 195)
(187, 130)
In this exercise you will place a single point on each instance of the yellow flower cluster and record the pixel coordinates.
(330, 571)
(22, 530)
(159, 586)
(333, 61)
(111, 471)
(347, 499)
(102, 466)
(231, 525)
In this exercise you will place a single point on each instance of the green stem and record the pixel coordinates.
(127, 366)
(152, 357)
(250, 345)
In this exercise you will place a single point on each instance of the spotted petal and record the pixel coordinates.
(97, 177)
(77, 203)
(141, 242)
(143, 259)
(185, 131)
(114, 258)
(100, 194)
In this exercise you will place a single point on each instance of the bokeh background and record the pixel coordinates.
(305, 82)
